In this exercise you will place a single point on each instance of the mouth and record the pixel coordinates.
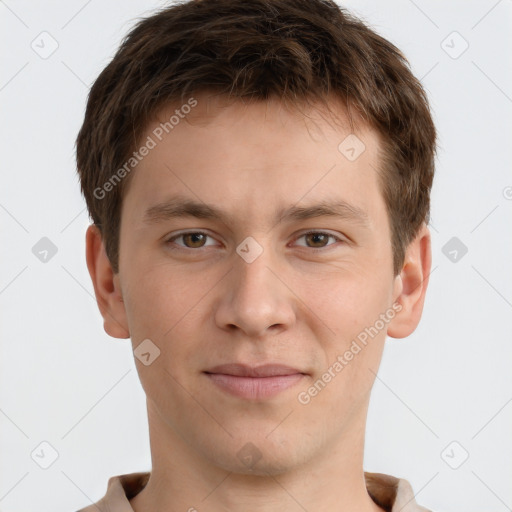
(254, 383)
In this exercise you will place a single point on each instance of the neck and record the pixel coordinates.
(184, 479)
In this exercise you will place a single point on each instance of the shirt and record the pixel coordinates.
(388, 492)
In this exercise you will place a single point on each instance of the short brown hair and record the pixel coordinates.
(256, 49)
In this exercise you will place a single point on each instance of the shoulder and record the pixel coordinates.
(391, 493)
(120, 489)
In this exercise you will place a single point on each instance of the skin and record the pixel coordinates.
(203, 305)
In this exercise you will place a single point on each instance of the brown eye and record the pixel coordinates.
(191, 240)
(318, 239)
(195, 239)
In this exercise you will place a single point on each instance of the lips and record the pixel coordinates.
(254, 382)
(242, 370)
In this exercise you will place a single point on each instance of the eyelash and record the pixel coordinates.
(315, 249)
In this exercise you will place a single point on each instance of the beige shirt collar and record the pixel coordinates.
(391, 493)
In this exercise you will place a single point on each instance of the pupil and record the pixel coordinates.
(195, 236)
(316, 236)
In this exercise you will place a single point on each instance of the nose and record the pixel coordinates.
(255, 297)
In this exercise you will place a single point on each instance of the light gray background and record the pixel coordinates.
(65, 382)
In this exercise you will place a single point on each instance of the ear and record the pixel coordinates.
(106, 285)
(411, 285)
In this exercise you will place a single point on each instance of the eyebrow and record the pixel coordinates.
(181, 206)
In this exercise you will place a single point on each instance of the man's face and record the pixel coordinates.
(255, 289)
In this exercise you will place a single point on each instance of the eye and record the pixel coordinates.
(318, 238)
(193, 239)
(197, 239)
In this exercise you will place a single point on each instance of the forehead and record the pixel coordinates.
(254, 153)
(204, 109)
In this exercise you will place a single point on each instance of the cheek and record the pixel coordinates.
(160, 299)
(349, 302)
(163, 308)
(148, 309)
(352, 355)
(351, 309)
(168, 307)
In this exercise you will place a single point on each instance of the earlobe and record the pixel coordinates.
(412, 285)
(106, 285)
